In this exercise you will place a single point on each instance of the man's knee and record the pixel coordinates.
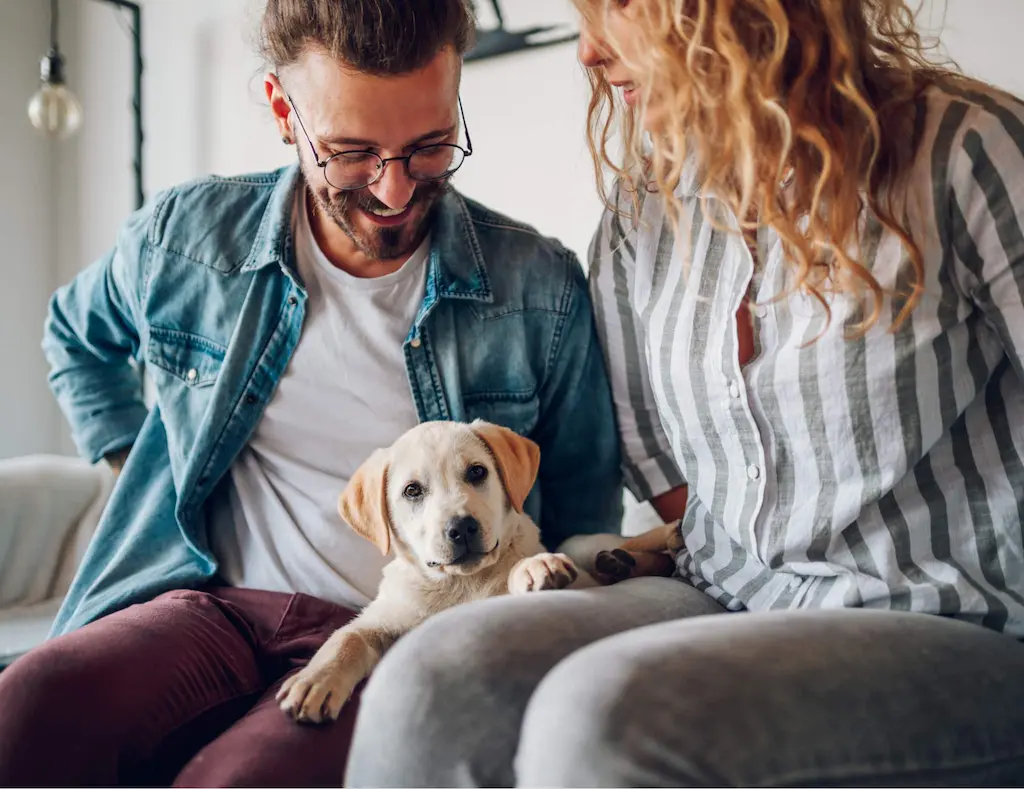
(49, 702)
(48, 679)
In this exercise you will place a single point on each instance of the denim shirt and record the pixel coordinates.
(201, 288)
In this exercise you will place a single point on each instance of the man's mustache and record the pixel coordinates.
(368, 202)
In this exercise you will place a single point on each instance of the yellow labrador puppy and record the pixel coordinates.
(447, 501)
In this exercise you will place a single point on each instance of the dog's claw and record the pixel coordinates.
(313, 696)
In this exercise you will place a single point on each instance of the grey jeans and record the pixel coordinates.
(636, 685)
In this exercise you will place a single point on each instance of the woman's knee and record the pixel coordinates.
(666, 705)
(595, 721)
(453, 691)
(436, 702)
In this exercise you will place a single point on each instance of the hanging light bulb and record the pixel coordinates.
(53, 109)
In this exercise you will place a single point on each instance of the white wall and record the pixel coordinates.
(28, 227)
(982, 36)
(204, 113)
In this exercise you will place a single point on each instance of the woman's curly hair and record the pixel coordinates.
(819, 94)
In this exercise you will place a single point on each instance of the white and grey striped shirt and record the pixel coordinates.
(883, 472)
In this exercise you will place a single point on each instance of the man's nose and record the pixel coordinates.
(395, 187)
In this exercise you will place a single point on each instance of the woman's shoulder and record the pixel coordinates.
(959, 109)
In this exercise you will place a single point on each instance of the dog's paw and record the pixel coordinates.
(543, 571)
(317, 693)
(613, 566)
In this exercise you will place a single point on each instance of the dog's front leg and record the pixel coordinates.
(317, 693)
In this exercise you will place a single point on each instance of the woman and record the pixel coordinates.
(811, 286)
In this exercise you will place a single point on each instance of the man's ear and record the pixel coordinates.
(279, 106)
(517, 458)
(364, 502)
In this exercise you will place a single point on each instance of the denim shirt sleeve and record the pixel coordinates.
(91, 341)
(580, 477)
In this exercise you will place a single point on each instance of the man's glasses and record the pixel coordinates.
(351, 170)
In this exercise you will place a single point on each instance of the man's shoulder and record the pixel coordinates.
(494, 227)
(523, 262)
(214, 220)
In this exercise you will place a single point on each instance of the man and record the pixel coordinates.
(291, 322)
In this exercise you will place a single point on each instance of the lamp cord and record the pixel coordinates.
(53, 25)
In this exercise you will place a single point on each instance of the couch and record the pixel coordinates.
(49, 508)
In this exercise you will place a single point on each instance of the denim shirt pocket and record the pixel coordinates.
(184, 368)
(192, 359)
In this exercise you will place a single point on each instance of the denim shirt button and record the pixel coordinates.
(251, 399)
(416, 342)
(192, 374)
(292, 300)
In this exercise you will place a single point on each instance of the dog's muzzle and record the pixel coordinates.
(465, 541)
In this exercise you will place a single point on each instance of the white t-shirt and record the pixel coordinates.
(344, 394)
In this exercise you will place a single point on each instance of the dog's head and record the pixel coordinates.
(441, 495)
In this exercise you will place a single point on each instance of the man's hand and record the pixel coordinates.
(116, 460)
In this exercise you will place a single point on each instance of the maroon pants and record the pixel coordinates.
(176, 691)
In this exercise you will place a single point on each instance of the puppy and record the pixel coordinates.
(447, 501)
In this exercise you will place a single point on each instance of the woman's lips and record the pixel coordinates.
(629, 92)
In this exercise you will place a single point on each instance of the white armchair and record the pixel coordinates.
(49, 509)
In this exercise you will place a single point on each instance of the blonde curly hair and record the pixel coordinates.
(819, 94)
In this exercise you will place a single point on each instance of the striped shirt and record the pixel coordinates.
(882, 472)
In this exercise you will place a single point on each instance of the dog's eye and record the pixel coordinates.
(413, 490)
(476, 473)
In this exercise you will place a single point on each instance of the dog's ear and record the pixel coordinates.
(364, 502)
(517, 458)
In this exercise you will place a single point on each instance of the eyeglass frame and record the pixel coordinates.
(466, 152)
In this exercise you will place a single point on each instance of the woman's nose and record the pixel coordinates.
(591, 53)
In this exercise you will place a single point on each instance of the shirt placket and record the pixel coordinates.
(747, 456)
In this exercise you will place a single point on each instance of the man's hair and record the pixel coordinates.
(381, 37)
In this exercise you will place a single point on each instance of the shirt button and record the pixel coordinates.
(761, 311)
(251, 399)
(292, 300)
(753, 472)
(192, 374)
(416, 342)
(734, 389)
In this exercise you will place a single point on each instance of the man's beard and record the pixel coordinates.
(382, 243)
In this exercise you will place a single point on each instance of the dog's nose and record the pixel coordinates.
(462, 528)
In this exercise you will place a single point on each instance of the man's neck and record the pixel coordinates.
(342, 251)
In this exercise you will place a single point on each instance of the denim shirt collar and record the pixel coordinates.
(456, 269)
